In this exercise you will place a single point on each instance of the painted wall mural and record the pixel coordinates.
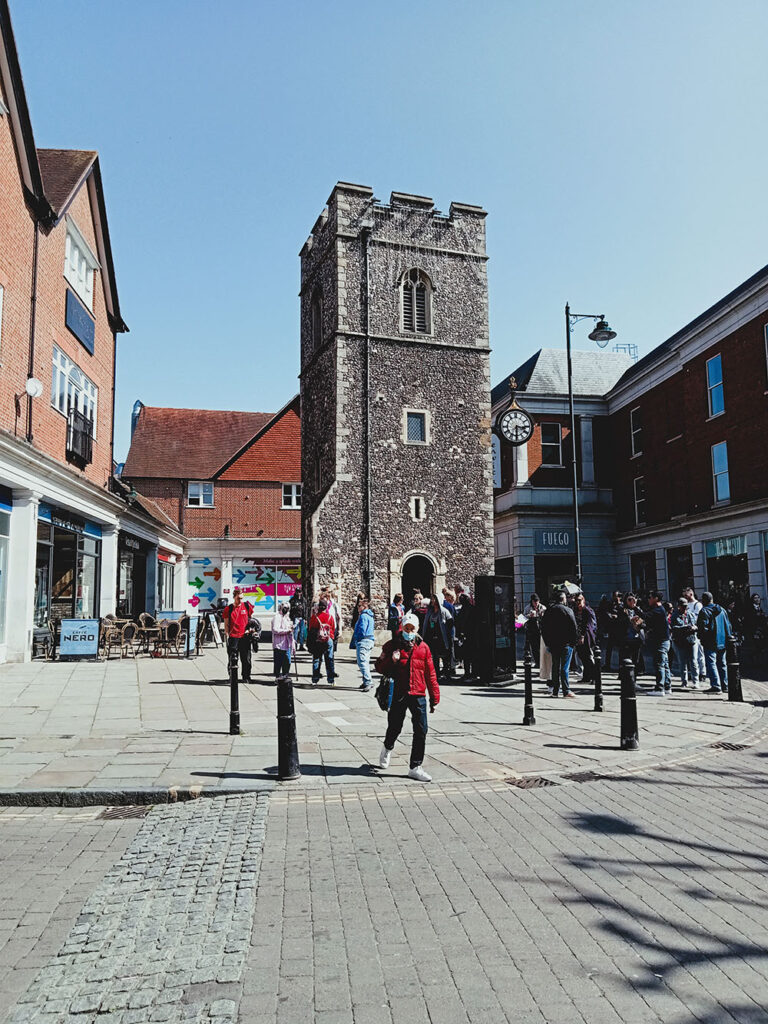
(263, 584)
(204, 582)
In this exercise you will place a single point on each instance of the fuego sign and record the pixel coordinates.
(553, 542)
(79, 638)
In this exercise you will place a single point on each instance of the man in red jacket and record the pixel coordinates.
(408, 660)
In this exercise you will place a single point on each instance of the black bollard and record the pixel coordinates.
(734, 669)
(234, 693)
(628, 727)
(528, 716)
(288, 766)
(598, 656)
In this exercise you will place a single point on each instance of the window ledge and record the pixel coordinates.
(636, 455)
(675, 438)
(201, 506)
(418, 444)
(721, 504)
(714, 416)
(552, 465)
(290, 508)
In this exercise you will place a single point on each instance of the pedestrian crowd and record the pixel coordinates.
(568, 632)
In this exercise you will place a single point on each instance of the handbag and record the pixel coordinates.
(384, 692)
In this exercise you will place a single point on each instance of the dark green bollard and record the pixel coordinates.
(288, 766)
(529, 718)
(628, 727)
(734, 669)
(598, 656)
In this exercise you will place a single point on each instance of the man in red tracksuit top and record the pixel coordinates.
(236, 619)
(408, 660)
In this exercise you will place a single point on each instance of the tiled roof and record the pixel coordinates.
(188, 444)
(546, 373)
(153, 509)
(275, 455)
(62, 171)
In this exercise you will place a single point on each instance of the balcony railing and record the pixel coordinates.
(79, 438)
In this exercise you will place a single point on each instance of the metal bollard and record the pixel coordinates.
(628, 726)
(598, 656)
(734, 669)
(234, 694)
(288, 766)
(529, 717)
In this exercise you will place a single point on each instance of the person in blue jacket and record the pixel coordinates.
(362, 641)
(714, 628)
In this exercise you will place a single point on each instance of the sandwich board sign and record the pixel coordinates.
(79, 639)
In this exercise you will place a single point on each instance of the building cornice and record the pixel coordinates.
(722, 514)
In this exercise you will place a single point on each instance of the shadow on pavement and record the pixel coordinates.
(328, 770)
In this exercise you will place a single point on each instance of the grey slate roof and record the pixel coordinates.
(546, 373)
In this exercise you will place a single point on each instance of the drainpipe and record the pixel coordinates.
(114, 374)
(366, 234)
(32, 319)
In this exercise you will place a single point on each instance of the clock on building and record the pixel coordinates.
(514, 424)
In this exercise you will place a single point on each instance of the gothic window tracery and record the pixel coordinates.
(416, 302)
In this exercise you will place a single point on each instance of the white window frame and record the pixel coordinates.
(409, 284)
(712, 387)
(718, 475)
(80, 263)
(196, 489)
(427, 426)
(559, 463)
(291, 496)
(70, 386)
(634, 431)
(639, 502)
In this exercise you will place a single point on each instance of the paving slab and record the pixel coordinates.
(149, 722)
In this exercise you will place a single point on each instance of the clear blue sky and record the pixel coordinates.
(619, 148)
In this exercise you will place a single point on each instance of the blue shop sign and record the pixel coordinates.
(554, 542)
(67, 521)
(79, 638)
(79, 321)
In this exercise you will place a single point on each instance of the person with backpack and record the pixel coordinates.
(237, 629)
(714, 628)
(322, 630)
(363, 639)
(283, 643)
(408, 660)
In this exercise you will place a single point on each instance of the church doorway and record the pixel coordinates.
(418, 574)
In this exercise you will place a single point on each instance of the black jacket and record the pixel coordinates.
(558, 626)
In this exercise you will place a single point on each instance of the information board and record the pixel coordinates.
(79, 638)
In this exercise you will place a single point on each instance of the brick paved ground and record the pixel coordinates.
(50, 861)
(640, 899)
(164, 722)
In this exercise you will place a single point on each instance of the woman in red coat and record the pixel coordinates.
(408, 660)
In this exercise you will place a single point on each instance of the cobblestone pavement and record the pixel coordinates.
(165, 935)
(164, 722)
(640, 899)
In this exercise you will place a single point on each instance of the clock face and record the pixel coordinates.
(516, 426)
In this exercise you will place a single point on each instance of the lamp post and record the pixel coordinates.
(602, 334)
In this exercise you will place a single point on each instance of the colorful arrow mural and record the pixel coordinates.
(201, 561)
(196, 583)
(216, 573)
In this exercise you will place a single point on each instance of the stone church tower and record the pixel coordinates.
(395, 397)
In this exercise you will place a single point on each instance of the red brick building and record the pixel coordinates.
(231, 483)
(671, 458)
(689, 423)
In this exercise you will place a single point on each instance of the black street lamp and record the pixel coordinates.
(602, 334)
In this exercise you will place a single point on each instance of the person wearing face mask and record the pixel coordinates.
(407, 659)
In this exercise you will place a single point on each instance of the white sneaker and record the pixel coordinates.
(419, 774)
(384, 758)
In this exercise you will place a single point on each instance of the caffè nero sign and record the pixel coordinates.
(553, 542)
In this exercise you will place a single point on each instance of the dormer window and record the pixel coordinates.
(416, 303)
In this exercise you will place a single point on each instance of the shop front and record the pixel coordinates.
(728, 569)
(679, 571)
(554, 559)
(263, 581)
(6, 507)
(67, 566)
(166, 571)
(135, 576)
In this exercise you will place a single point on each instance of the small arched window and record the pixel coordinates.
(416, 302)
(316, 318)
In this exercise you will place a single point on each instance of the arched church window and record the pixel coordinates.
(416, 302)
(316, 316)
